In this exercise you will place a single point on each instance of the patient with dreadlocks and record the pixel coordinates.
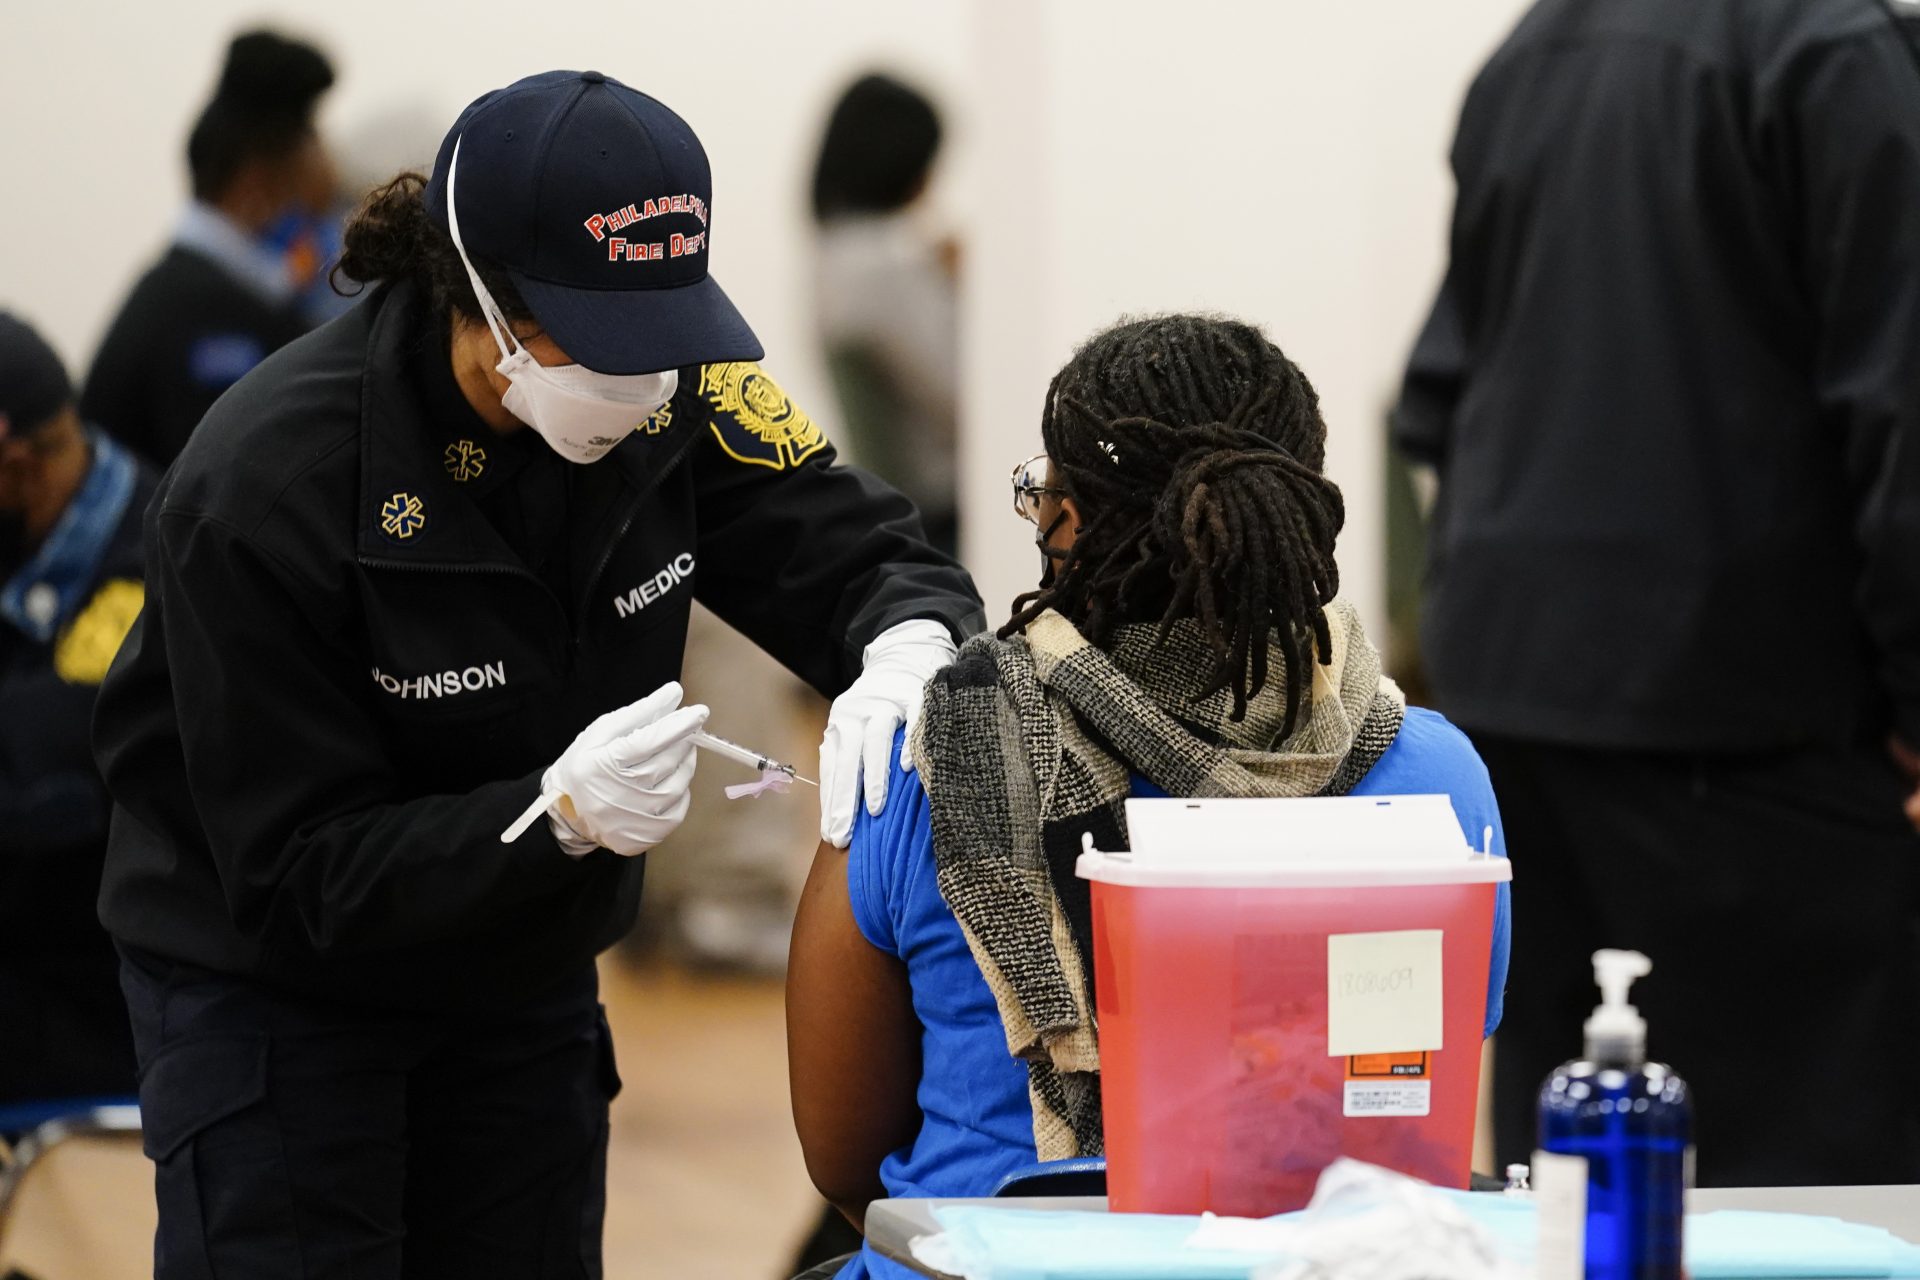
(1193, 449)
(1187, 638)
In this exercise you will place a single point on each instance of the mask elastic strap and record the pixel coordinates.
(487, 306)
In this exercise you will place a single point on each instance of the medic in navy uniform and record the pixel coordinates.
(70, 568)
(418, 569)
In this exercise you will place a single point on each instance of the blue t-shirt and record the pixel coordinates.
(977, 1122)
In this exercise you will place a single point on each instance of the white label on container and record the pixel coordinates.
(1383, 992)
(1389, 1097)
(1560, 1195)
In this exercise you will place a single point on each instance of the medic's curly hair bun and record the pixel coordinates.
(261, 109)
(1194, 449)
(391, 237)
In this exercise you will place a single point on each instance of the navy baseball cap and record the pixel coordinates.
(597, 202)
(33, 382)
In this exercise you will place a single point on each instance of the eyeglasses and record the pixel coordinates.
(1029, 486)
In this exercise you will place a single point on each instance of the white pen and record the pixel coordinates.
(702, 739)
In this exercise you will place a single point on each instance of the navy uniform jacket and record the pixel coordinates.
(1672, 382)
(187, 332)
(62, 617)
(345, 685)
(53, 807)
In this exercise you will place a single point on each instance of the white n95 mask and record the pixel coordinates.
(581, 414)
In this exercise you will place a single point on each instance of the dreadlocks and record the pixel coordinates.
(1194, 448)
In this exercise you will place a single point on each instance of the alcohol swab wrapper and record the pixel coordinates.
(774, 776)
(770, 780)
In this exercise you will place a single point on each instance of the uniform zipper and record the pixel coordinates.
(626, 523)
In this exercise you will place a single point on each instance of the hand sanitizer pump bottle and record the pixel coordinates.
(1615, 1156)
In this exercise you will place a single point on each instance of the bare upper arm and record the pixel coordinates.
(853, 1043)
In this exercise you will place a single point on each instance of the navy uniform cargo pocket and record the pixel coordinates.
(220, 1175)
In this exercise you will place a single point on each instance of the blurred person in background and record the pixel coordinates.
(231, 287)
(885, 294)
(885, 303)
(70, 587)
(1186, 639)
(1672, 390)
(884, 285)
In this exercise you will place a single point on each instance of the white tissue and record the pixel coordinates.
(1366, 1223)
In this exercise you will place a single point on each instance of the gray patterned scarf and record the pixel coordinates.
(1024, 744)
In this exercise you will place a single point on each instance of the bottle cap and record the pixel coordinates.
(1616, 1033)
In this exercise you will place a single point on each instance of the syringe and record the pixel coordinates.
(747, 756)
(700, 738)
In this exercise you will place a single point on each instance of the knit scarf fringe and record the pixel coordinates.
(1025, 744)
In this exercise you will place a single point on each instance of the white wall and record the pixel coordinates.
(1282, 161)
(96, 97)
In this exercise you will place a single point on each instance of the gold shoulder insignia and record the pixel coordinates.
(753, 419)
(85, 648)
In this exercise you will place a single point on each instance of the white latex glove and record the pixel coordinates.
(860, 726)
(623, 782)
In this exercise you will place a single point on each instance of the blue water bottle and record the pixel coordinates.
(1615, 1157)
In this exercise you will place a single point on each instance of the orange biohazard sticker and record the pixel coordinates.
(1389, 1084)
(1395, 1066)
